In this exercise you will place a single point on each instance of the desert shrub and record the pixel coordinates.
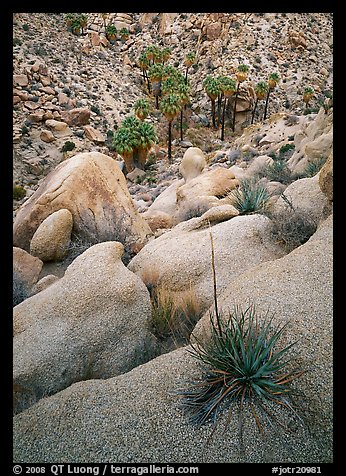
(292, 227)
(78, 245)
(285, 148)
(69, 145)
(250, 197)
(20, 290)
(279, 171)
(242, 363)
(19, 192)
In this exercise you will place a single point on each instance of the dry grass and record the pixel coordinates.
(174, 314)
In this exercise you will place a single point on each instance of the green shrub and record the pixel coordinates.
(292, 227)
(250, 197)
(19, 192)
(69, 145)
(285, 148)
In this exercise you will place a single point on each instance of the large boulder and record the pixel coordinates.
(313, 140)
(52, 238)
(303, 196)
(92, 187)
(192, 163)
(91, 323)
(182, 257)
(325, 179)
(26, 272)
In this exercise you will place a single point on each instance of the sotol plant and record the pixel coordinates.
(242, 364)
(249, 197)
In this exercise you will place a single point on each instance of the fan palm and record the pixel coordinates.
(273, 80)
(261, 91)
(155, 76)
(228, 88)
(141, 107)
(241, 75)
(189, 60)
(307, 95)
(170, 106)
(143, 63)
(212, 88)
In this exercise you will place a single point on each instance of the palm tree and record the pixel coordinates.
(146, 138)
(143, 63)
(307, 95)
(124, 145)
(83, 20)
(170, 106)
(133, 140)
(155, 76)
(111, 32)
(165, 54)
(184, 94)
(228, 87)
(124, 34)
(189, 60)
(141, 107)
(212, 88)
(261, 91)
(241, 75)
(104, 18)
(273, 80)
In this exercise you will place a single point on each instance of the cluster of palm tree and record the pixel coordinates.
(135, 137)
(176, 94)
(169, 86)
(76, 22)
(222, 88)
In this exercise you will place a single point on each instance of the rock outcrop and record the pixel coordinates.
(92, 187)
(182, 257)
(91, 323)
(124, 411)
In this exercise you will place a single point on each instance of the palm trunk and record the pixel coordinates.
(219, 102)
(223, 120)
(186, 75)
(213, 112)
(254, 110)
(181, 124)
(170, 141)
(266, 106)
(235, 105)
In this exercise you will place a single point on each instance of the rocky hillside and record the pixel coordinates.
(117, 271)
(56, 72)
